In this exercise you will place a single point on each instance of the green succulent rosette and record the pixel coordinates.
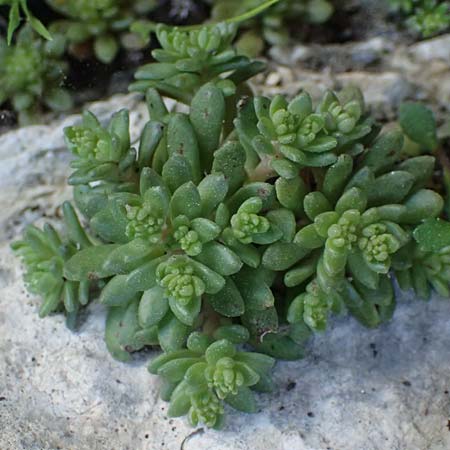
(105, 23)
(44, 253)
(31, 74)
(209, 373)
(283, 136)
(189, 59)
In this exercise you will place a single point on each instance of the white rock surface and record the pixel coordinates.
(358, 389)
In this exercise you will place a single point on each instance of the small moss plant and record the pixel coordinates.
(428, 17)
(229, 233)
(31, 75)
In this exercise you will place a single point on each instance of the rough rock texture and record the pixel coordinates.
(358, 389)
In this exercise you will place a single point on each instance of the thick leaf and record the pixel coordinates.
(110, 223)
(230, 160)
(433, 235)
(172, 334)
(282, 255)
(264, 191)
(220, 259)
(424, 204)
(186, 314)
(228, 302)
(181, 139)
(129, 256)
(144, 277)
(419, 124)
(176, 171)
(280, 347)
(391, 187)
(290, 193)
(117, 292)
(243, 401)
(384, 152)
(121, 326)
(186, 201)
(87, 264)
(254, 290)
(316, 203)
(219, 349)
(213, 190)
(152, 307)
(207, 114)
(260, 322)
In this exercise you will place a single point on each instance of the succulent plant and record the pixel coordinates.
(210, 371)
(44, 254)
(427, 17)
(284, 136)
(105, 23)
(249, 225)
(31, 75)
(188, 59)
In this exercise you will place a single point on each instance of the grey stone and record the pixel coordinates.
(358, 389)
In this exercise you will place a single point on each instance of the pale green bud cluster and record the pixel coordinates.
(344, 233)
(225, 377)
(143, 224)
(90, 143)
(204, 42)
(246, 225)
(31, 75)
(180, 281)
(206, 408)
(189, 240)
(376, 244)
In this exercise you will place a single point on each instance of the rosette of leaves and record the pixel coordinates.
(428, 17)
(188, 59)
(356, 235)
(272, 26)
(44, 253)
(283, 136)
(209, 373)
(31, 74)
(104, 23)
(101, 153)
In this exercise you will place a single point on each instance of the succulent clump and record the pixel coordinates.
(102, 25)
(228, 233)
(31, 72)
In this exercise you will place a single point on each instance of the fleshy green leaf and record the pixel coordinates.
(433, 235)
(419, 124)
